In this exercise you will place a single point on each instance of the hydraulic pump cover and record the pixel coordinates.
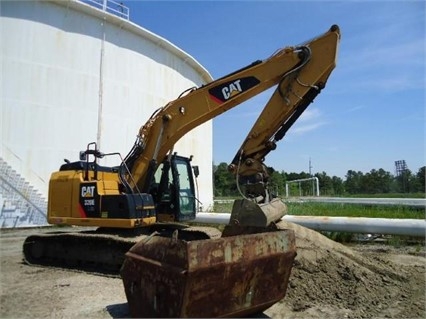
(226, 277)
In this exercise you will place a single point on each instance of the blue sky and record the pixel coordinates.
(372, 111)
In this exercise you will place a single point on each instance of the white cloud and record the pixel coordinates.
(304, 128)
(387, 57)
(310, 114)
(356, 108)
(309, 121)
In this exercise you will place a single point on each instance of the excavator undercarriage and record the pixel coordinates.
(180, 272)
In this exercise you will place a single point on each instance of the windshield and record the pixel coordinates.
(186, 189)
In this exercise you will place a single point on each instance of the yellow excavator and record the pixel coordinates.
(170, 269)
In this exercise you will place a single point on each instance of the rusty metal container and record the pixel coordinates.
(227, 277)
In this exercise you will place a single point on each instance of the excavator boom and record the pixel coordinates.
(299, 72)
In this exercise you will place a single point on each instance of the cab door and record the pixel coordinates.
(183, 180)
(173, 190)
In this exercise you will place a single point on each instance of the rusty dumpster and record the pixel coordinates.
(226, 277)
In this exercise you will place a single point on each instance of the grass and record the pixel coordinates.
(354, 210)
(388, 195)
(347, 210)
(343, 210)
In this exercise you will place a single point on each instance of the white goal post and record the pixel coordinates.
(315, 189)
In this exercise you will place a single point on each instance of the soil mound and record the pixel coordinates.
(332, 280)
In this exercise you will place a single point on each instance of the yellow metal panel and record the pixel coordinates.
(62, 185)
(108, 187)
(103, 222)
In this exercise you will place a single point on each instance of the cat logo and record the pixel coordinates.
(232, 89)
(87, 191)
(225, 91)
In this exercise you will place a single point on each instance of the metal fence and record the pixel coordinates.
(110, 6)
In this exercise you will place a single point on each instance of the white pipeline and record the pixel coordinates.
(408, 227)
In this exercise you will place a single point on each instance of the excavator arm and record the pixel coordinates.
(299, 73)
(297, 88)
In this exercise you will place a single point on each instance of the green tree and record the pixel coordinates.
(224, 181)
(404, 181)
(421, 179)
(353, 182)
(277, 183)
(376, 182)
(338, 186)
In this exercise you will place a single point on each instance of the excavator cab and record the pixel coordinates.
(172, 188)
(100, 198)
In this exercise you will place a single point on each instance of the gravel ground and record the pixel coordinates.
(328, 280)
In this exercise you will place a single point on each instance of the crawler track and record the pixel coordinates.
(101, 251)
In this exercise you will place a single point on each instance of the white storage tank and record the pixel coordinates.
(73, 74)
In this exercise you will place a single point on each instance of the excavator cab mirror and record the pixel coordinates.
(83, 156)
(196, 170)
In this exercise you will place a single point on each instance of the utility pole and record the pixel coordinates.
(310, 174)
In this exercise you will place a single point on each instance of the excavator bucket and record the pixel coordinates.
(226, 277)
(248, 213)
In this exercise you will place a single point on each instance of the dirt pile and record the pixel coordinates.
(329, 278)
